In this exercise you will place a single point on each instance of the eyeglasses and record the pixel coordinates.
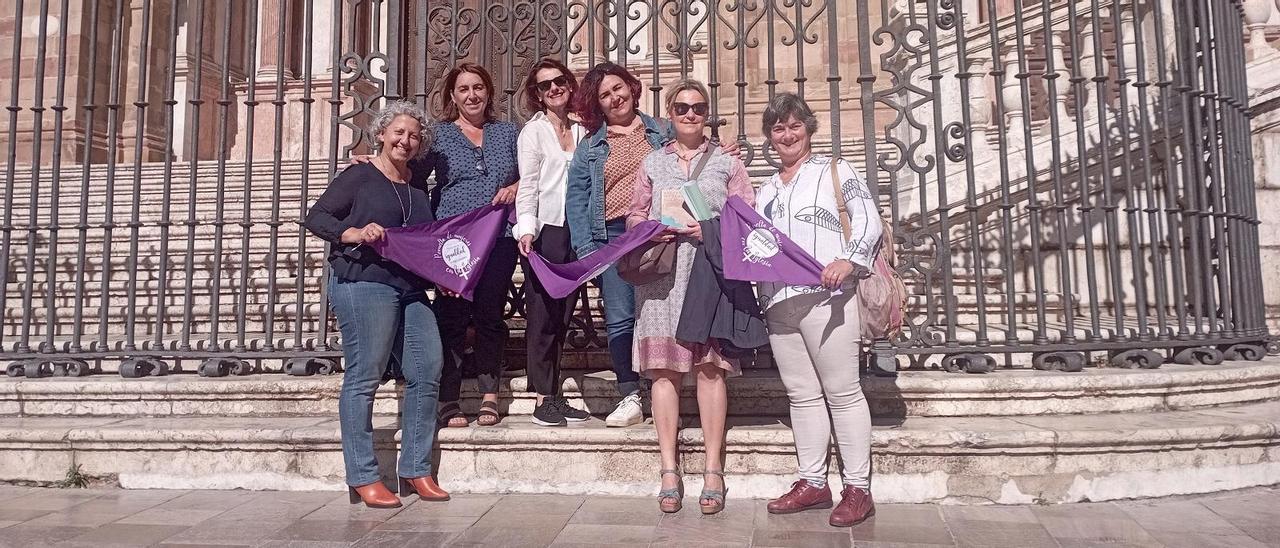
(479, 159)
(681, 109)
(560, 81)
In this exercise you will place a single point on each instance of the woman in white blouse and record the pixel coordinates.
(814, 330)
(544, 149)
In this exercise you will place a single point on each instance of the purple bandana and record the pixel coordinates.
(561, 280)
(451, 252)
(754, 250)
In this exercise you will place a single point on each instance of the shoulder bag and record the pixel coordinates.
(882, 297)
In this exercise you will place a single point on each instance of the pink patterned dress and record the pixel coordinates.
(658, 304)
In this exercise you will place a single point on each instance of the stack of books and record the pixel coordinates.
(684, 206)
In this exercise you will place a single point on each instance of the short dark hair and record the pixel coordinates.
(532, 100)
(586, 101)
(786, 105)
(451, 112)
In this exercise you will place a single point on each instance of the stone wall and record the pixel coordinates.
(1266, 167)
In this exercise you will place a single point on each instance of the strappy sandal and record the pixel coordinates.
(451, 416)
(716, 496)
(488, 414)
(671, 500)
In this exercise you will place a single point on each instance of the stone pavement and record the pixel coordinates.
(114, 517)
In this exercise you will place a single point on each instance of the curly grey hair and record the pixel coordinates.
(389, 113)
(785, 105)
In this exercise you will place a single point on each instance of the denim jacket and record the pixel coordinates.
(584, 194)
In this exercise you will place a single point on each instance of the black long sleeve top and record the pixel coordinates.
(360, 195)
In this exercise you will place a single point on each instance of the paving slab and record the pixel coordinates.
(1247, 518)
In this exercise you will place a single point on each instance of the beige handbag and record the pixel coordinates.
(882, 297)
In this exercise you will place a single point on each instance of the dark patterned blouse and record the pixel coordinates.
(467, 176)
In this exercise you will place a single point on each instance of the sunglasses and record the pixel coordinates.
(681, 109)
(560, 81)
(479, 152)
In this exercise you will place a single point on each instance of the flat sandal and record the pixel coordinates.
(488, 414)
(449, 414)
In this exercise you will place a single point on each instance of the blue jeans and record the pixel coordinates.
(619, 318)
(379, 324)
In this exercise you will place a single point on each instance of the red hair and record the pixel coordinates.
(586, 100)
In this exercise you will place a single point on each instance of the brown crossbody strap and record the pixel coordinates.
(839, 195)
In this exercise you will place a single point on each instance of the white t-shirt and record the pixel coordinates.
(805, 210)
(544, 173)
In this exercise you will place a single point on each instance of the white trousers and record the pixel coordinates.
(815, 340)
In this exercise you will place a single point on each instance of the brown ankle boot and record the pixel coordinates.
(425, 487)
(374, 495)
(854, 508)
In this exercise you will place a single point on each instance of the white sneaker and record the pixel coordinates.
(626, 413)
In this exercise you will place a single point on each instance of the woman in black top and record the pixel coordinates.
(382, 310)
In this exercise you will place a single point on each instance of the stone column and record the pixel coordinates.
(153, 63)
(276, 22)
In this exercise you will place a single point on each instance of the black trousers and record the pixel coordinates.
(547, 317)
(454, 315)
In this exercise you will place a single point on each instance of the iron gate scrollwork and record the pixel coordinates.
(1067, 180)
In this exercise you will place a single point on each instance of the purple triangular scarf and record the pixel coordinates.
(756, 251)
(451, 252)
(561, 280)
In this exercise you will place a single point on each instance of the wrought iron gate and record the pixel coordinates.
(1064, 177)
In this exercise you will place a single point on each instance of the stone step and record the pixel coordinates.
(256, 292)
(964, 460)
(758, 393)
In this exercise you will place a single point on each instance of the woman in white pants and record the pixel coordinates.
(814, 330)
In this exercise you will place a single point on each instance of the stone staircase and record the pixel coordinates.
(1013, 436)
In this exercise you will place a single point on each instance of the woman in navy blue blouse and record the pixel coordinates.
(473, 159)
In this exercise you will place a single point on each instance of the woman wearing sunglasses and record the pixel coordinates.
(598, 196)
(691, 160)
(545, 148)
(474, 161)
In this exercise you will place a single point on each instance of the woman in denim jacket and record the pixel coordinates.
(601, 178)
(598, 196)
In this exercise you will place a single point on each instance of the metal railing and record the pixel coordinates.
(1068, 180)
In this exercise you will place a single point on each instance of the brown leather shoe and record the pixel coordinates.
(854, 508)
(802, 496)
(425, 487)
(374, 495)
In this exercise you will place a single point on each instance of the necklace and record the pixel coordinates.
(689, 154)
(404, 212)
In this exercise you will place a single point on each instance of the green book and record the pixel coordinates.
(696, 202)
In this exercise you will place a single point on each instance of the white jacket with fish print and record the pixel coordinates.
(805, 210)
